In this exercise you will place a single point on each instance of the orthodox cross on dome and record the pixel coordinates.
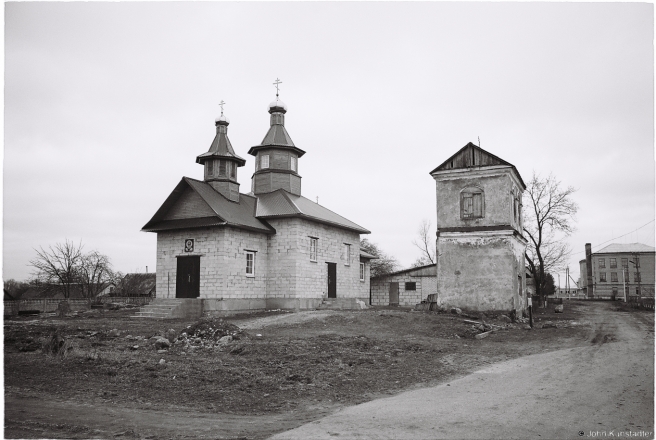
(221, 104)
(276, 83)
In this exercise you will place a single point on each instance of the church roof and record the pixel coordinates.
(194, 204)
(221, 146)
(281, 203)
(473, 156)
(618, 248)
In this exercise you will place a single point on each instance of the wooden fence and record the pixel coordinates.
(50, 305)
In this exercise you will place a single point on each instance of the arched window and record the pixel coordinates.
(472, 203)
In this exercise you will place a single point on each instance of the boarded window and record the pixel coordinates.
(233, 170)
(210, 167)
(293, 163)
(347, 254)
(222, 168)
(411, 286)
(471, 204)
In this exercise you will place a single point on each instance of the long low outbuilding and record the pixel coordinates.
(405, 287)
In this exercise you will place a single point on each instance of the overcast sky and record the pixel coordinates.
(108, 104)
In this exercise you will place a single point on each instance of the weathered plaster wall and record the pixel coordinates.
(481, 272)
(500, 190)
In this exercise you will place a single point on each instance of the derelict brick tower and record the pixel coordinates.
(480, 246)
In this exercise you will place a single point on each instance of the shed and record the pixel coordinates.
(405, 287)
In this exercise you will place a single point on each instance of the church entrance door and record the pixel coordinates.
(187, 281)
(332, 280)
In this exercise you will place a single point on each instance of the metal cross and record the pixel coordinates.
(221, 105)
(276, 83)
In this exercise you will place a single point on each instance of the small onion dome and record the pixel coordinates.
(222, 120)
(277, 106)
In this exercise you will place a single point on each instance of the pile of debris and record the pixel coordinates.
(483, 329)
(210, 333)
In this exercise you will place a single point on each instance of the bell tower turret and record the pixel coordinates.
(221, 162)
(276, 158)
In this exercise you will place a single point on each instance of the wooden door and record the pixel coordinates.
(187, 282)
(394, 294)
(332, 280)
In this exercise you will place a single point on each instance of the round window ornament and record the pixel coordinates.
(189, 245)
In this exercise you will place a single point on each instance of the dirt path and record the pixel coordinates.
(603, 390)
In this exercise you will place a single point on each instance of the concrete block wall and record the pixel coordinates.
(380, 289)
(294, 275)
(222, 254)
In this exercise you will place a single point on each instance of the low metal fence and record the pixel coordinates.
(641, 302)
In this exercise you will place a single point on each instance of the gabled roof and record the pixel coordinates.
(618, 248)
(280, 203)
(216, 210)
(428, 270)
(481, 158)
(221, 148)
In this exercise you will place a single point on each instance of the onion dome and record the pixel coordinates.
(277, 106)
(222, 120)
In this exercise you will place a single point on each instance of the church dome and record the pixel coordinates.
(222, 119)
(278, 106)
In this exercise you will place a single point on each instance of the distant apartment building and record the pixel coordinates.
(618, 267)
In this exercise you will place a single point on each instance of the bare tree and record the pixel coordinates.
(549, 219)
(94, 273)
(59, 265)
(383, 264)
(426, 244)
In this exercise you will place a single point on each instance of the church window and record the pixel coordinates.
(294, 164)
(472, 203)
(264, 161)
(210, 167)
(361, 271)
(347, 254)
(222, 168)
(250, 264)
(313, 249)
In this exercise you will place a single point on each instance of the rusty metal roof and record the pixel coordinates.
(281, 203)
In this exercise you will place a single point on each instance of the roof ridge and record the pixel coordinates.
(286, 196)
(204, 199)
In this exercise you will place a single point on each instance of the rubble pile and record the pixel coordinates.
(209, 333)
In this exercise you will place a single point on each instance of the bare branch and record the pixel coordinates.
(425, 243)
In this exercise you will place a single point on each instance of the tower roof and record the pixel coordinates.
(221, 148)
(471, 156)
(277, 135)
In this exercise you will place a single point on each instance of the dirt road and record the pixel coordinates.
(602, 390)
